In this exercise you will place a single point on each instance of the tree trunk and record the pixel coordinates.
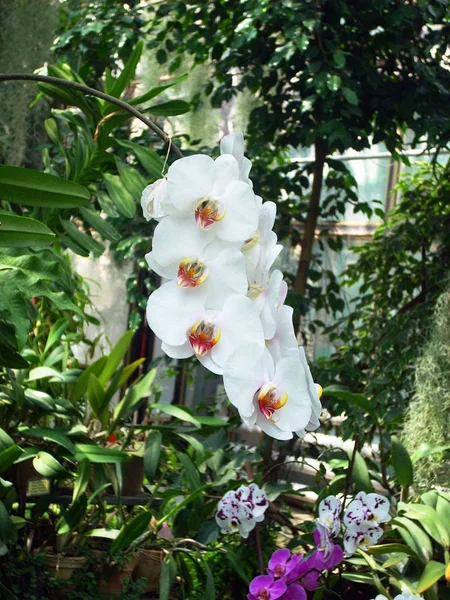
(301, 276)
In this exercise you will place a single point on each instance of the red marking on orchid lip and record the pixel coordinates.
(208, 212)
(203, 336)
(112, 438)
(191, 272)
(270, 399)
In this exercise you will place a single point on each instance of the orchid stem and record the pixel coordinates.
(348, 479)
(88, 91)
(259, 549)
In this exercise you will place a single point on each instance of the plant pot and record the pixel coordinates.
(133, 477)
(149, 567)
(114, 577)
(63, 567)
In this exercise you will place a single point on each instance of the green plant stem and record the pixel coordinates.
(92, 92)
(348, 479)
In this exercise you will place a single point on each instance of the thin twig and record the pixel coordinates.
(259, 549)
(92, 92)
(348, 479)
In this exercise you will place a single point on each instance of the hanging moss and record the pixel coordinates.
(428, 416)
(26, 34)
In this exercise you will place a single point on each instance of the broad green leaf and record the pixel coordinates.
(72, 517)
(8, 456)
(33, 188)
(428, 450)
(212, 421)
(433, 572)
(107, 204)
(167, 578)
(194, 442)
(108, 534)
(72, 245)
(21, 232)
(360, 474)
(177, 412)
(151, 454)
(127, 73)
(390, 548)
(414, 537)
(47, 465)
(156, 91)
(188, 500)
(149, 159)
(56, 332)
(80, 387)
(190, 471)
(100, 454)
(96, 397)
(132, 179)
(100, 225)
(169, 109)
(129, 370)
(339, 58)
(82, 479)
(82, 239)
(273, 489)
(135, 394)
(401, 462)
(5, 523)
(428, 519)
(5, 440)
(358, 578)
(210, 588)
(48, 433)
(443, 509)
(130, 532)
(350, 96)
(355, 399)
(121, 197)
(115, 357)
(43, 373)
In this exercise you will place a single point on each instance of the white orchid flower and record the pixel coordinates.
(361, 536)
(370, 508)
(330, 514)
(153, 198)
(268, 298)
(211, 335)
(274, 397)
(210, 192)
(261, 250)
(234, 144)
(241, 509)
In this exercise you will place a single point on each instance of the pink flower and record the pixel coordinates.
(282, 562)
(295, 592)
(264, 587)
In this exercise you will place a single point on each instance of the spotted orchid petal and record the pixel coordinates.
(361, 536)
(330, 514)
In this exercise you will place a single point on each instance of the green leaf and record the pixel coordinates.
(96, 397)
(350, 96)
(82, 239)
(47, 466)
(108, 534)
(149, 159)
(72, 517)
(428, 450)
(211, 421)
(152, 453)
(443, 509)
(129, 370)
(339, 58)
(360, 474)
(120, 195)
(414, 537)
(5, 440)
(236, 564)
(135, 394)
(390, 548)
(359, 400)
(433, 572)
(56, 332)
(8, 456)
(7, 594)
(273, 489)
(167, 577)
(428, 519)
(115, 357)
(22, 232)
(177, 412)
(401, 462)
(33, 188)
(127, 74)
(48, 433)
(100, 225)
(169, 109)
(190, 471)
(130, 532)
(5, 523)
(43, 373)
(99, 454)
(81, 385)
(82, 479)
(156, 91)
(132, 179)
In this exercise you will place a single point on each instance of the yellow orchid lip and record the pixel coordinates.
(203, 336)
(271, 398)
(191, 272)
(208, 212)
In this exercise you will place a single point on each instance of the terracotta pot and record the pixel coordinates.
(149, 567)
(63, 567)
(133, 477)
(114, 577)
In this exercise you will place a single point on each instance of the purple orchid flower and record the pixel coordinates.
(295, 592)
(282, 562)
(265, 587)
